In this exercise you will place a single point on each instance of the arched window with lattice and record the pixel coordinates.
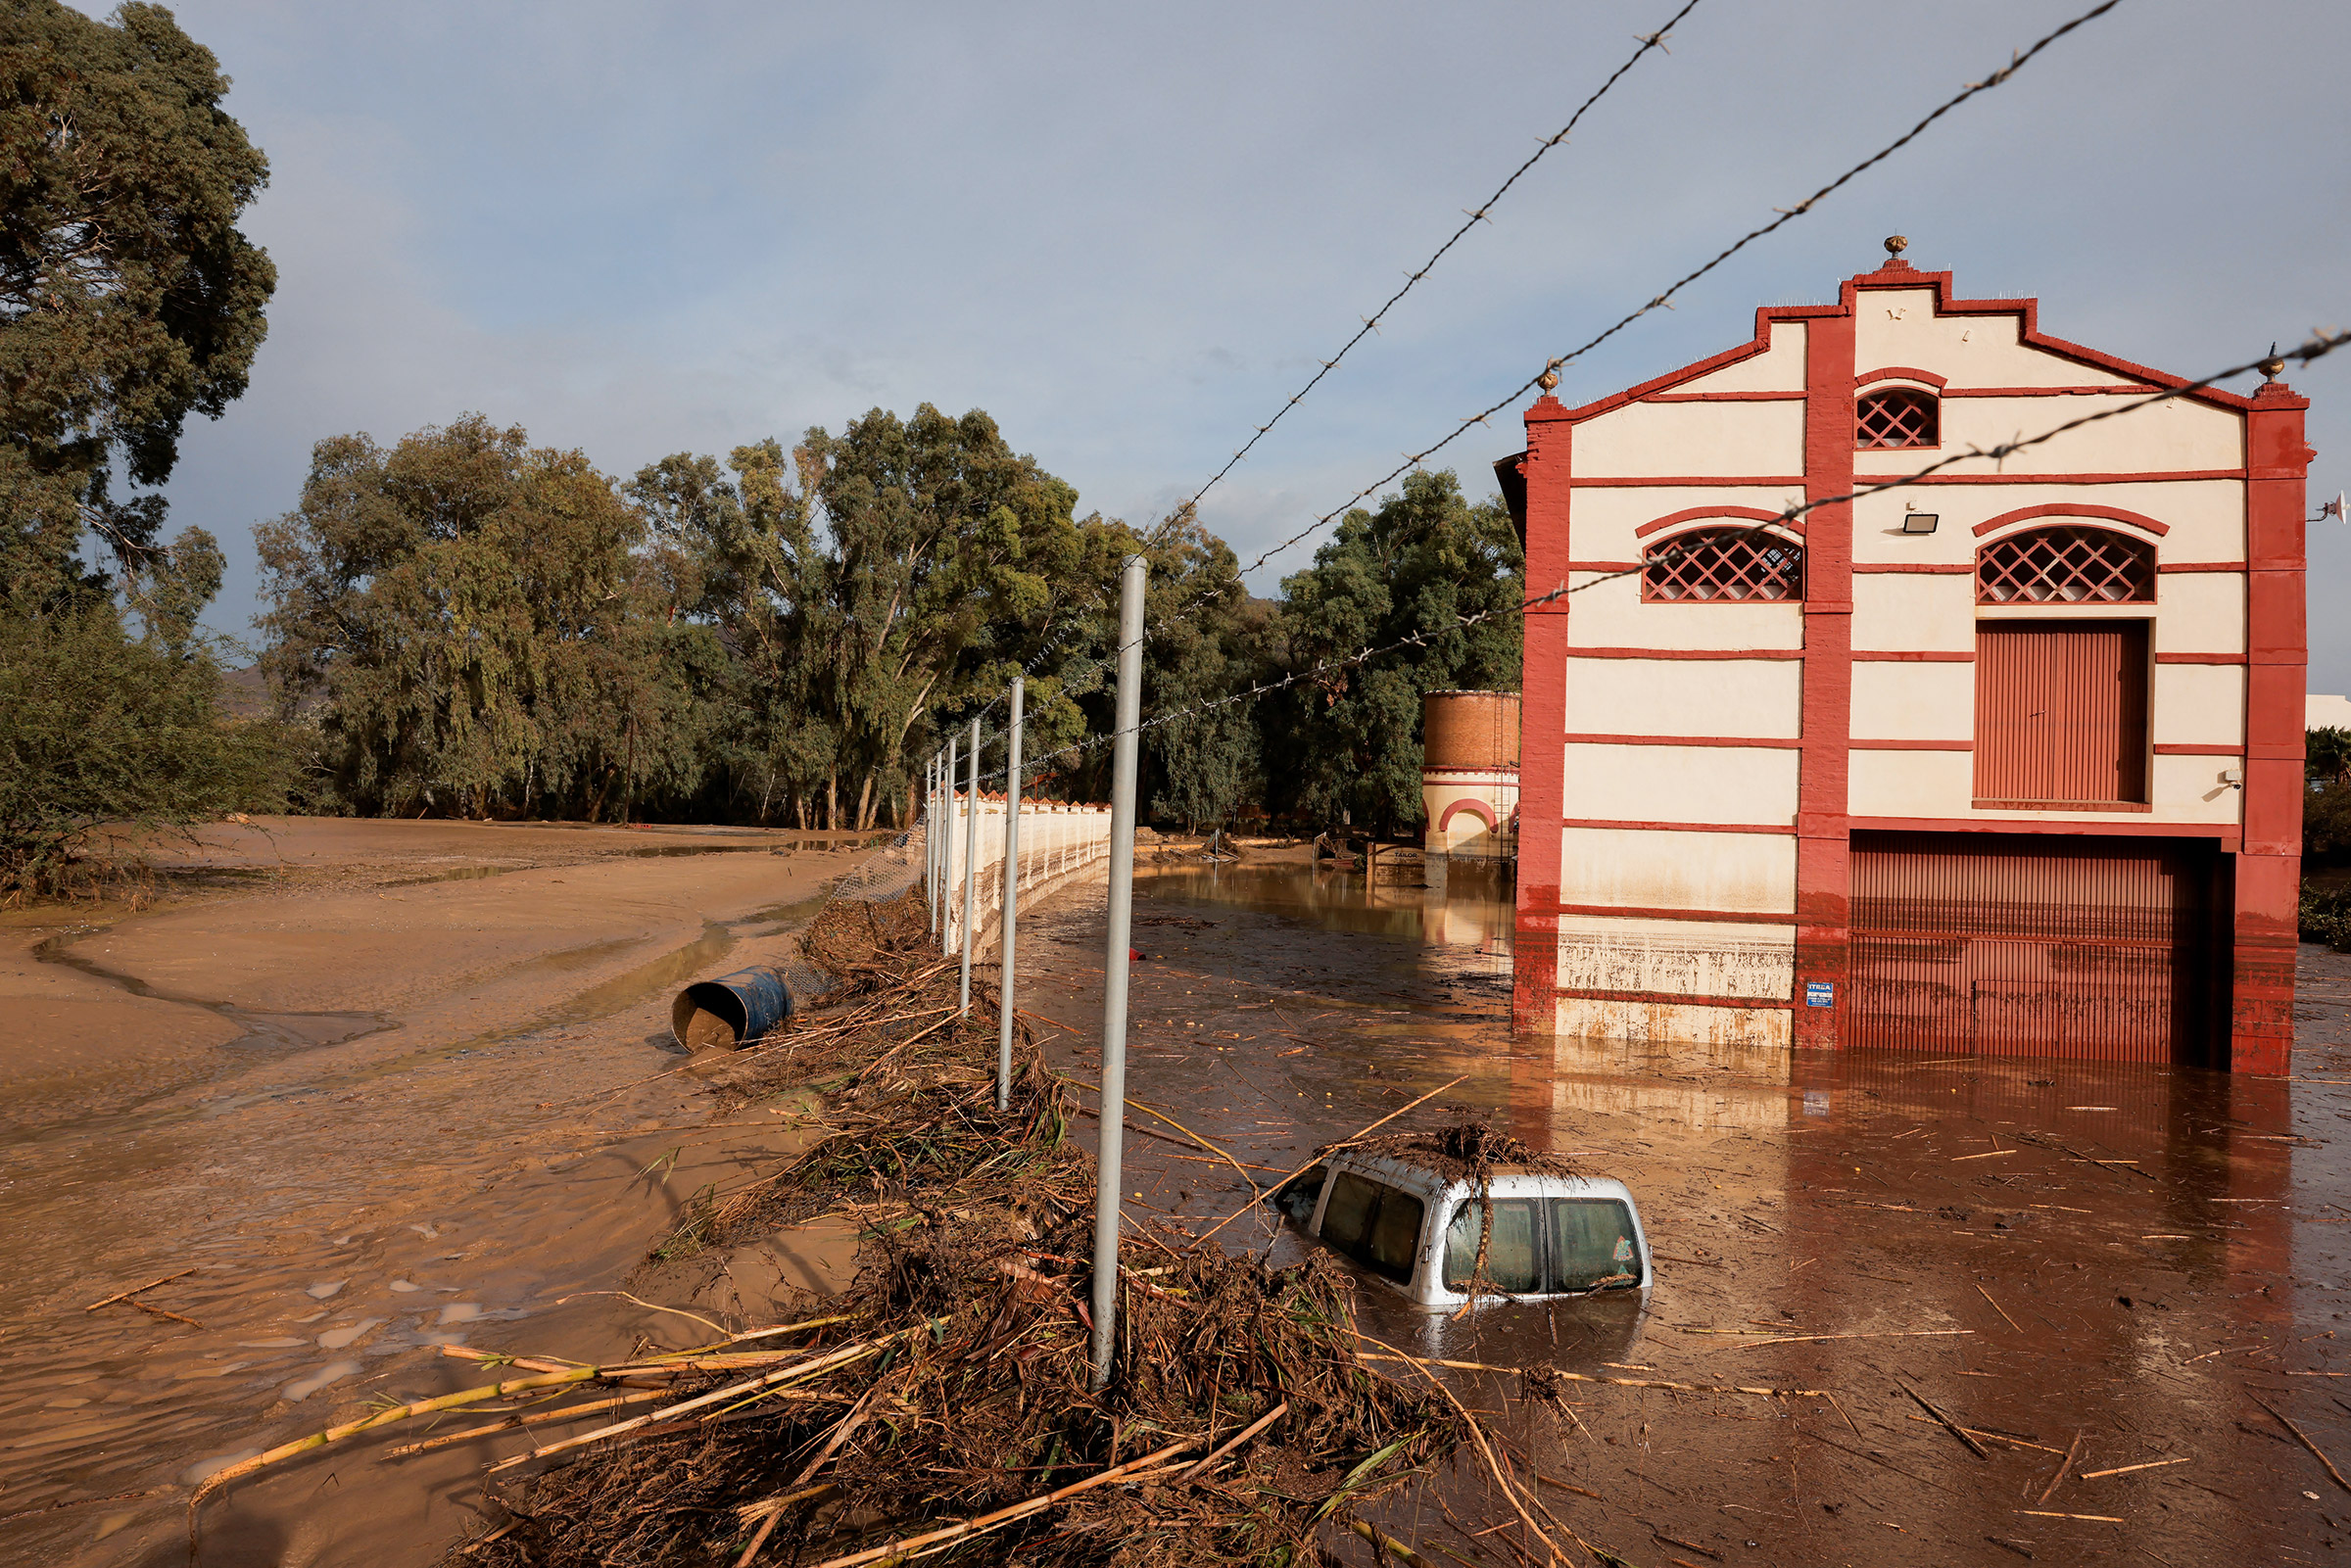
(1722, 564)
(2066, 565)
(1898, 417)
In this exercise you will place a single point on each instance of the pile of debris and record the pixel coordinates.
(944, 1400)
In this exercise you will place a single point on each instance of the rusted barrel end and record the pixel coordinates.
(731, 1012)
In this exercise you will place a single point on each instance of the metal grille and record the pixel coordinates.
(1901, 417)
(1995, 945)
(1723, 563)
(2066, 566)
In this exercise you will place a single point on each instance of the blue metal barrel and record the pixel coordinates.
(733, 1011)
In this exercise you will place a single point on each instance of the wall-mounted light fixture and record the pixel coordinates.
(2233, 777)
(1919, 522)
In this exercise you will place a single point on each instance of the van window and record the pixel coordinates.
(1296, 1196)
(1510, 1258)
(1592, 1245)
(1377, 1226)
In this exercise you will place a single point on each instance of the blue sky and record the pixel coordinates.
(1128, 233)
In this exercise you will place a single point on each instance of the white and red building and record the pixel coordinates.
(2007, 761)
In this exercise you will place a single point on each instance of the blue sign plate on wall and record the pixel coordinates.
(1820, 993)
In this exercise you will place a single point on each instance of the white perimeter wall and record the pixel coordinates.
(1057, 841)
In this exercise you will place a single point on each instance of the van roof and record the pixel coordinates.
(1424, 1178)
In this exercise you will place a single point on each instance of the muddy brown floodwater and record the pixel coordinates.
(383, 1086)
(364, 1088)
(2042, 1250)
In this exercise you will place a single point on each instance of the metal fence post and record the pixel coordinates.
(947, 857)
(930, 839)
(971, 870)
(1012, 899)
(1107, 1166)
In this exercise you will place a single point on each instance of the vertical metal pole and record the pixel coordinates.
(1107, 1166)
(946, 860)
(1012, 899)
(931, 839)
(971, 870)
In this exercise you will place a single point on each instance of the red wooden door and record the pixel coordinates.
(2061, 711)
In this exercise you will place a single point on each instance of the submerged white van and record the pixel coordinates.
(1418, 1230)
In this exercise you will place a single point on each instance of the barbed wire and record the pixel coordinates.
(2017, 61)
(1787, 214)
(2322, 342)
(1649, 41)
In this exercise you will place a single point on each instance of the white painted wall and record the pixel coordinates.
(1603, 519)
(2199, 704)
(1630, 867)
(1755, 1027)
(1778, 368)
(1609, 614)
(1746, 698)
(1899, 326)
(1661, 440)
(1904, 614)
(1689, 958)
(1747, 785)
(1914, 701)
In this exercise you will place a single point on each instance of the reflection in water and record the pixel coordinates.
(2039, 1248)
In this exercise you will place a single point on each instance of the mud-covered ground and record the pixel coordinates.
(2040, 1251)
(365, 1087)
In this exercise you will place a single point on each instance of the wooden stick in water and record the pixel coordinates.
(1334, 1148)
(126, 1294)
(1949, 1425)
(2304, 1439)
(2072, 1452)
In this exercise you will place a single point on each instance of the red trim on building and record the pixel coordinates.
(1626, 568)
(1788, 743)
(1742, 917)
(2265, 873)
(1859, 744)
(1781, 831)
(2269, 865)
(2199, 566)
(2102, 806)
(1891, 568)
(2167, 477)
(1823, 848)
(2065, 509)
(2124, 389)
(1543, 712)
(2227, 832)
(1674, 999)
(1692, 515)
(1899, 372)
(1724, 396)
(1689, 653)
(1692, 481)
(1474, 807)
(2171, 748)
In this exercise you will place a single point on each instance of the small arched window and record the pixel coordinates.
(1723, 563)
(1899, 416)
(2066, 565)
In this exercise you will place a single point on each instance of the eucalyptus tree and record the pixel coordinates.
(129, 301)
(1345, 743)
